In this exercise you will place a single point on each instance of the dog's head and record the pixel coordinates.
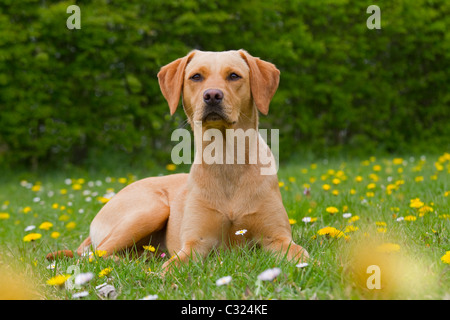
(220, 89)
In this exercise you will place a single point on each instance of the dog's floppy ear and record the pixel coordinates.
(264, 79)
(170, 79)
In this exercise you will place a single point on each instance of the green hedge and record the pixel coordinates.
(67, 96)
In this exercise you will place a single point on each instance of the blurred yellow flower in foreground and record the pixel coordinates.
(446, 257)
(388, 247)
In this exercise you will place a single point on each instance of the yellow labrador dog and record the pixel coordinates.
(191, 214)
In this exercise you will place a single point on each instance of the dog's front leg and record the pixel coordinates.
(276, 235)
(286, 246)
(201, 231)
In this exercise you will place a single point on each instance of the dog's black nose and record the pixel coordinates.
(213, 96)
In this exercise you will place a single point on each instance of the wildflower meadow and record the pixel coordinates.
(352, 216)
(361, 113)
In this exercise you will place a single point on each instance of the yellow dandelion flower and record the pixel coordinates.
(122, 180)
(336, 181)
(330, 231)
(335, 192)
(77, 186)
(446, 257)
(104, 272)
(382, 230)
(149, 248)
(416, 203)
(46, 225)
(103, 200)
(63, 191)
(359, 179)
(291, 179)
(326, 187)
(418, 179)
(55, 234)
(58, 280)
(353, 219)
(425, 209)
(171, 167)
(376, 168)
(100, 253)
(63, 217)
(26, 210)
(71, 225)
(36, 188)
(370, 194)
(4, 215)
(410, 218)
(281, 184)
(350, 228)
(32, 237)
(397, 161)
(332, 210)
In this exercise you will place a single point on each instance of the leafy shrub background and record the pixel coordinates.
(80, 96)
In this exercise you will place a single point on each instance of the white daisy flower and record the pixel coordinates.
(346, 215)
(302, 265)
(29, 228)
(84, 278)
(240, 232)
(150, 297)
(269, 274)
(223, 280)
(80, 294)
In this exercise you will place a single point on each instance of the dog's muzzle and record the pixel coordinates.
(213, 115)
(213, 110)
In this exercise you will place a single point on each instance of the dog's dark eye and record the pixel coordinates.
(233, 76)
(196, 77)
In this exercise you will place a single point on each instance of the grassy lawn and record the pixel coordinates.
(391, 213)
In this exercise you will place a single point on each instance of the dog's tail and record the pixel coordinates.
(59, 254)
(69, 253)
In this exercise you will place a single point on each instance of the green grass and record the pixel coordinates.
(338, 265)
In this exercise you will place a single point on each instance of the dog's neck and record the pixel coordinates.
(230, 145)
